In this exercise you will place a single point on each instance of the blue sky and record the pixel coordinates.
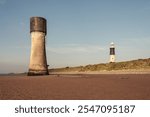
(79, 31)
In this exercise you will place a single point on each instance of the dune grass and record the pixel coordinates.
(126, 65)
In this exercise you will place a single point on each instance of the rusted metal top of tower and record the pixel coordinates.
(38, 24)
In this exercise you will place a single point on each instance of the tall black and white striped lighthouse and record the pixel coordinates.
(112, 53)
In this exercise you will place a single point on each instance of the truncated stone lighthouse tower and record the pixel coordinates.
(112, 53)
(38, 62)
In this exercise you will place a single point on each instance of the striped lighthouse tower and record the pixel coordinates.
(112, 53)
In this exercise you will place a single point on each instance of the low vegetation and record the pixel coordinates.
(127, 65)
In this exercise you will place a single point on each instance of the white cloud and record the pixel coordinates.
(75, 48)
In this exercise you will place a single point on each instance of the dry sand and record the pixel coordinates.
(77, 86)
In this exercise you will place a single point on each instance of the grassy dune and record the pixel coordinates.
(140, 64)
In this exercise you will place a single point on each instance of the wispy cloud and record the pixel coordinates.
(75, 48)
(21, 47)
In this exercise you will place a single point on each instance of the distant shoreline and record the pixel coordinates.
(129, 71)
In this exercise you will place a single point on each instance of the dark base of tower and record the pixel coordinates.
(37, 73)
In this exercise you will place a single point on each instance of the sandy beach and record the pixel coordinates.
(76, 87)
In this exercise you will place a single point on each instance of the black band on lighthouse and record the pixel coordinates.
(112, 51)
